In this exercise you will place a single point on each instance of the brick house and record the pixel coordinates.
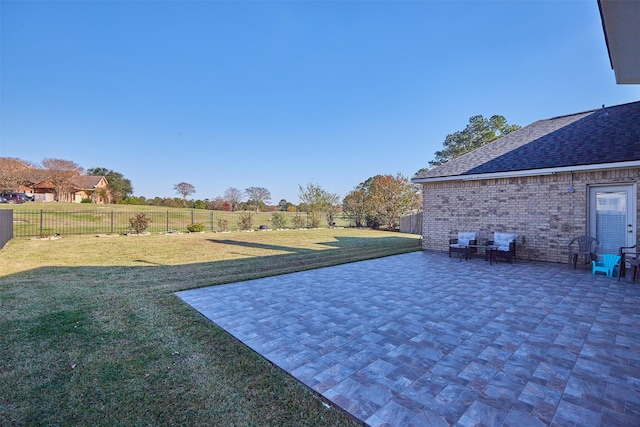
(38, 183)
(40, 186)
(91, 187)
(548, 182)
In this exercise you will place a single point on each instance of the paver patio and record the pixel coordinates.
(423, 339)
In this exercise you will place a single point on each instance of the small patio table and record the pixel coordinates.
(490, 252)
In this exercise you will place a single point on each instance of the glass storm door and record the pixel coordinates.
(612, 217)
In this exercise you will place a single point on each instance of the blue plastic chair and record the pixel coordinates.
(608, 263)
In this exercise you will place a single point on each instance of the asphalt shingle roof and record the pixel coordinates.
(86, 181)
(607, 135)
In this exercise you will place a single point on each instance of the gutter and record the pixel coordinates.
(530, 172)
(604, 31)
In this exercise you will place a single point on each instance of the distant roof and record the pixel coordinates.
(86, 181)
(38, 175)
(597, 137)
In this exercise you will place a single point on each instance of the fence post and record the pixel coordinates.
(167, 230)
(40, 222)
(211, 220)
(111, 221)
(191, 217)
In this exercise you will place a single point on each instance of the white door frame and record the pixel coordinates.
(631, 209)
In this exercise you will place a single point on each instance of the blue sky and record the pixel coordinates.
(277, 94)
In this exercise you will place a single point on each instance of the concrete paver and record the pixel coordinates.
(423, 339)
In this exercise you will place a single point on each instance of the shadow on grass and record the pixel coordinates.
(116, 342)
(341, 242)
(173, 278)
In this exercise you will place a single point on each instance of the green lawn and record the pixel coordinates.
(92, 333)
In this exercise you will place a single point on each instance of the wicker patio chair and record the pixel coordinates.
(460, 245)
(506, 245)
(626, 253)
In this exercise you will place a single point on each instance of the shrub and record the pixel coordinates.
(86, 200)
(196, 228)
(139, 223)
(223, 225)
(245, 221)
(298, 221)
(315, 219)
(278, 220)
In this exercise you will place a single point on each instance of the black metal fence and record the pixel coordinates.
(46, 223)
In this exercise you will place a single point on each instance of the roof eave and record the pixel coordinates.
(530, 172)
(622, 37)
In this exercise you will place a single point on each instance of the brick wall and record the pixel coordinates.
(540, 209)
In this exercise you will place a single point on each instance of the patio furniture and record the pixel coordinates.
(607, 265)
(489, 251)
(626, 253)
(635, 265)
(586, 246)
(505, 246)
(461, 244)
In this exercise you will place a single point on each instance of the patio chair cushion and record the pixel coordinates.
(465, 238)
(502, 240)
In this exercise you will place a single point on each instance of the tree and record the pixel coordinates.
(184, 189)
(14, 173)
(217, 204)
(119, 187)
(258, 195)
(390, 198)
(381, 201)
(132, 200)
(317, 200)
(61, 174)
(284, 206)
(478, 132)
(354, 205)
(233, 196)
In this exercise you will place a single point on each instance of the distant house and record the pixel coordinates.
(91, 187)
(40, 183)
(548, 182)
(33, 177)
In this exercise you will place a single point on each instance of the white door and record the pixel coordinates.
(612, 217)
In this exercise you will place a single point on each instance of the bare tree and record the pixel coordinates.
(14, 173)
(233, 196)
(185, 189)
(61, 174)
(258, 195)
